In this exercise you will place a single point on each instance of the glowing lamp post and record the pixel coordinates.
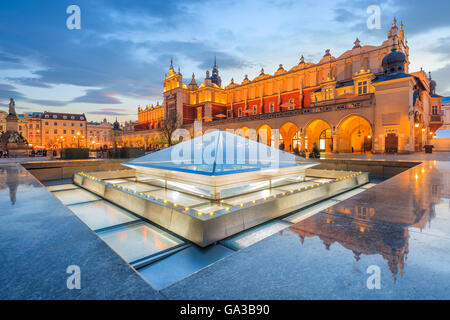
(78, 135)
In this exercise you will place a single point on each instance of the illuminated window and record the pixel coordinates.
(362, 87)
(199, 113)
(434, 110)
(328, 93)
(271, 108)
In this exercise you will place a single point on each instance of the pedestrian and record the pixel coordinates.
(315, 153)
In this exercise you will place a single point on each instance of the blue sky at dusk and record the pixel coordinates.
(117, 60)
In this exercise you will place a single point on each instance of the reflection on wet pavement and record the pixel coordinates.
(401, 225)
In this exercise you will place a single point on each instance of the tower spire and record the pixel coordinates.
(394, 48)
(215, 78)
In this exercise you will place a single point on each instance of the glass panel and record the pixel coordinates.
(226, 153)
(178, 266)
(138, 187)
(101, 214)
(177, 197)
(139, 241)
(310, 211)
(210, 207)
(322, 180)
(233, 191)
(296, 186)
(116, 180)
(251, 196)
(248, 237)
(69, 197)
(348, 194)
(62, 187)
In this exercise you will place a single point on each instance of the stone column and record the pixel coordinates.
(335, 143)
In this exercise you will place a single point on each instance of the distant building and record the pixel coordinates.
(445, 112)
(100, 134)
(66, 129)
(34, 125)
(151, 117)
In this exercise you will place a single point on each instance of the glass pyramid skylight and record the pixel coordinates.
(219, 153)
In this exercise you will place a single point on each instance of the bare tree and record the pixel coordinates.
(169, 125)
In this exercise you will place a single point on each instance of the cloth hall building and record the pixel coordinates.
(364, 100)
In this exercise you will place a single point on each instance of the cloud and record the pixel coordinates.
(344, 15)
(442, 80)
(418, 16)
(442, 47)
(31, 82)
(46, 102)
(8, 91)
(98, 96)
(111, 112)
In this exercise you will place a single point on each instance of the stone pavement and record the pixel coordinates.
(40, 238)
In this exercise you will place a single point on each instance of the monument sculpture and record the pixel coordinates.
(12, 140)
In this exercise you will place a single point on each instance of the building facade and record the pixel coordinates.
(445, 112)
(100, 134)
(34, 125)
(150, 118)
(364, 100)
(63, 130)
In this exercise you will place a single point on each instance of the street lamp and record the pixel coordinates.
(61, 140)
(78, 134)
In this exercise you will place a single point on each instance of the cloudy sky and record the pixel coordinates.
(117, 60)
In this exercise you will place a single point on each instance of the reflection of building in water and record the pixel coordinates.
(364, 230)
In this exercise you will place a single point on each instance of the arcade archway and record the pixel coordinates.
(288, 132)
(355, 135)
(247, 133)
(319, 132)
(265, 135)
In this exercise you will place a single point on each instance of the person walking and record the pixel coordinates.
(315, 153)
